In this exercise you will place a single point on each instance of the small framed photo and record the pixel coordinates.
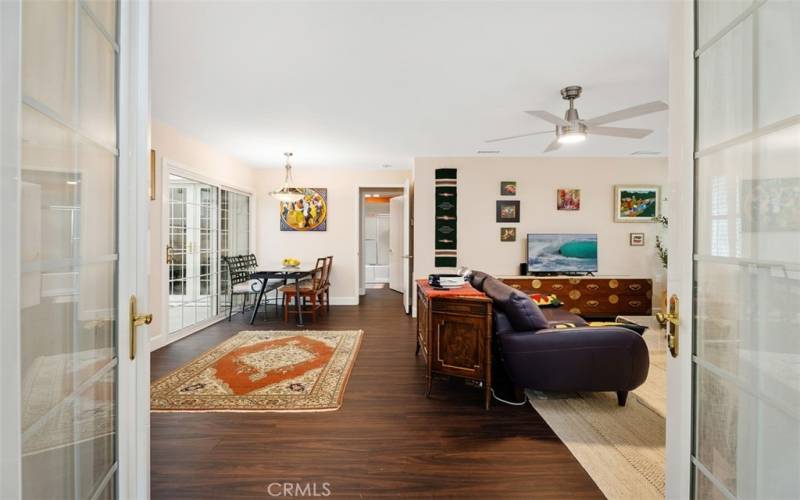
(508, 234)
(568, 199)
(636, 203)
(508, 211)
(508, 188)
(637, 239)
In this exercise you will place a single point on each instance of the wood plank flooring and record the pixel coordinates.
(387, 440)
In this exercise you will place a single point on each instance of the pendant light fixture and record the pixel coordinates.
(288, 192)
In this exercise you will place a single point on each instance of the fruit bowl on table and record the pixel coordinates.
(290, 263)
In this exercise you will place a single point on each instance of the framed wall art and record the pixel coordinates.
(507, 211)
(636, 203)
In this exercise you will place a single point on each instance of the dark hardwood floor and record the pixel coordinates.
(386, 440)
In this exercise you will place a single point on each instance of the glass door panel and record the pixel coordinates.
(234, 234)
(746, 349)
(69, 252)
(193, 240)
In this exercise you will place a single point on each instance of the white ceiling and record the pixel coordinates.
(365, 84)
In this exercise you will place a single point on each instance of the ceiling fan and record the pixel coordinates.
(572, 129)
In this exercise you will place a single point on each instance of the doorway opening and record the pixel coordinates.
(381, 242)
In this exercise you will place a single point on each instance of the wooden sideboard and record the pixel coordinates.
(454, 334)
(592, 297)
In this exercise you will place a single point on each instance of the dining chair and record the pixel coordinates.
(309, 290)
(239, 269)
(327, 281)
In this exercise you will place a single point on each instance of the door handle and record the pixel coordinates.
(170, 254)
(672, 321)
(136, 320)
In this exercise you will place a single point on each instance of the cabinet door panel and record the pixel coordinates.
(458, 344)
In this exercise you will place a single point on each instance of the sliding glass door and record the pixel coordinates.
(234, 232)
(192, 252)
(746, 354)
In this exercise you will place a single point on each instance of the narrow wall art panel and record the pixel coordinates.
(446, 218)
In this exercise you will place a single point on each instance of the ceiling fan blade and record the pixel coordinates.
(633, 133)
(624, 114)
(549, 117)
(518, 136)
(552, 146)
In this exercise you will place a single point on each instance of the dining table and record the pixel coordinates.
(277, 271)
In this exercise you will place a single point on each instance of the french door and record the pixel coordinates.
(192, 252)
(75, 114)
(734, 399)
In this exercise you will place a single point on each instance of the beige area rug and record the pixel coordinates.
(257, 371)
(622, 448)
(67, 399)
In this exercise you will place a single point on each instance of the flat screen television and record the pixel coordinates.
(562, 253)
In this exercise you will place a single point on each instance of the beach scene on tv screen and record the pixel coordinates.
(562, 252)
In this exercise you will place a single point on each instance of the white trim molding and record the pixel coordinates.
(10, 110)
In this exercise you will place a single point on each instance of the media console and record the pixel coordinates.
(598, 297)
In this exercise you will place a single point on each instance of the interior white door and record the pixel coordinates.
(680, 241)
(407, 258)
(733, 426)
(79, 140)
(396, 211)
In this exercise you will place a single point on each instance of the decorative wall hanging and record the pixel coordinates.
(446, 225)
(309, 213)
(636, 203)
(637, 239)
(508, 234)
(508, 211)
(568, 199)
(508, 188)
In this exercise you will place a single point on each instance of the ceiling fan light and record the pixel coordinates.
(572, 137)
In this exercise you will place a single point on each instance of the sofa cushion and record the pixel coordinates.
(477, 278)
(522, 312)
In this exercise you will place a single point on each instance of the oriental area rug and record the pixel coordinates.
(259, 371)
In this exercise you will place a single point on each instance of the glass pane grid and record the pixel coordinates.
(746, 349)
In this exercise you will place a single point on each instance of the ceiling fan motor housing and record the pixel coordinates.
(571, 92)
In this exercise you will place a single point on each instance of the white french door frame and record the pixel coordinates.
(133, 395)
(680, 274)
(10, 145)
(169, 166)
(134, 147)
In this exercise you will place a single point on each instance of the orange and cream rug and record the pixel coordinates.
(263, 371)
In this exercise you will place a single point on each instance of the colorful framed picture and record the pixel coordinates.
(636, 203)
(568, 199)
(508, 234)
(636, 239)
(508, 211)
(310, 213)
(508, 188)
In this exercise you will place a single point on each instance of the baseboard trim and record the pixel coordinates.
(344, 301)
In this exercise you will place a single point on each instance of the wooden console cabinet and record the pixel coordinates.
(454, 334)
(592, 297)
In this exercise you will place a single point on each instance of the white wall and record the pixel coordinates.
(206, 162)
(340, 240)
(479, 245)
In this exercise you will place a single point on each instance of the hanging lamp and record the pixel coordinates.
(288, 192)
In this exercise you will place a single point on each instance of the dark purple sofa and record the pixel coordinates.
(538, 356)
